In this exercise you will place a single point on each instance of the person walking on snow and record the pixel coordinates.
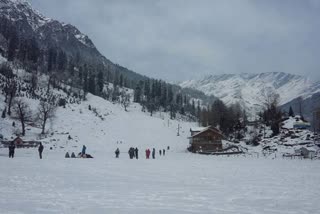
(160, 152)
(83, 152)
(147, 153)
(153, 153)
(40, 149)
(136, 152)
(164, 152)
(117, 152)
(131, 152)
(11, 150)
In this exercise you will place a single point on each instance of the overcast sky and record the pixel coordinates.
(182, 39)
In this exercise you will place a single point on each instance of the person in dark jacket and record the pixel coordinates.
(67, 155)
(73, 155)
(160, 152)
(153, 153)
(164, 152)
(136, 152)
(83, 152)
(11, 150)
(117, 152)
(40, 149)
(131, 152)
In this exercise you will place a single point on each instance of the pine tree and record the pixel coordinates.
(170, 94)
(121, 81)
(34, 51)
(291, 113)
(147, 89)
(137, 94)
(164, 97)
(61, 61)
(108, 78)
(100, 81)
(52, 57)
(92, 84)
(116, 79)
(71, 68)
(198, 113)
(193, 108)
(13, 45)
(85, 79)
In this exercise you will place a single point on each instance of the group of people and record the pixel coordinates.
(134, 153)
(12, 148)
(81, 154)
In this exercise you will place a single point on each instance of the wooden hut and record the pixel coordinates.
(205, 139)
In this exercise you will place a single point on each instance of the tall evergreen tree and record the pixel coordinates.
(100, 81)
(61, 61)
(13, 45)
(52, 58)
(121, 80)
(85, 79)
(116, 79)
(137, 94)
(92, 84)
(291, 113)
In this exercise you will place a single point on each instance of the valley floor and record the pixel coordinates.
(176, 183)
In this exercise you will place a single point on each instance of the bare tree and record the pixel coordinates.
(269, 98)
(125, 100)
(46, 111)
(23, 113)
(272, 114)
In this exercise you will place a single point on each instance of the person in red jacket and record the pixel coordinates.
(147, 153)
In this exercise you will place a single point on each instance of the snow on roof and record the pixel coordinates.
(198, 129)
(207, 128)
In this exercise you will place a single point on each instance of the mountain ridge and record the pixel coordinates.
(249, 89)
(19, 15)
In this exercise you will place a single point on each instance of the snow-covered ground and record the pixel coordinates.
(179, 182)
(176, 183)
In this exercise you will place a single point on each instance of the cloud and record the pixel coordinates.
(183, 39)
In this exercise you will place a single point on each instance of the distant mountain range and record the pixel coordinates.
(249, 89)
(246, 89)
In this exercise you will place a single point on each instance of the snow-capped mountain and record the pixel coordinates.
(29, 24)
(33, 22)
(250, 89)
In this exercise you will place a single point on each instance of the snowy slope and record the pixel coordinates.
(133, 128)
(249, 89)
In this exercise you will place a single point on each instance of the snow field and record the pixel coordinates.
(176, 183)
(179, 182)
